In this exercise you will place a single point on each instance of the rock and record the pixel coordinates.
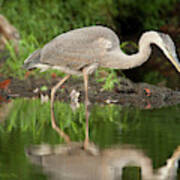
(8, 33)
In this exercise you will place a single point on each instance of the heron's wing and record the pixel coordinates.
(79, 48)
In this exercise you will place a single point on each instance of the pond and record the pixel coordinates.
(142, 139)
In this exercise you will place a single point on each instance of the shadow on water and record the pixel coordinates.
(134, 144)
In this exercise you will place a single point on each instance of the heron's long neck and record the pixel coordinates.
(119, 60)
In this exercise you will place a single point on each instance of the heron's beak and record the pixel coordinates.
(175, 61)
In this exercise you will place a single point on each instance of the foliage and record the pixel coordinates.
(109, 81)
(32, 116)
(126, 43)
(46, 19)
(13, 65)
(146, 14)
(131, 173)
(153, 77)
(26, 118)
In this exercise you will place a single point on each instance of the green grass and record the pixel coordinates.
(154, 77)
(46, 19)
(109, 81)
(13, 65)
(31, 116)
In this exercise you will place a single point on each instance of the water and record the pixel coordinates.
(153, 135)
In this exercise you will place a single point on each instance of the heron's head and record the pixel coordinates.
(169, 49)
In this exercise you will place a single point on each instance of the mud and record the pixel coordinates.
(125, 93)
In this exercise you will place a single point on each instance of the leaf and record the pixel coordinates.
(44, 88)
(53, 75)
(2, 99)
(4, 84)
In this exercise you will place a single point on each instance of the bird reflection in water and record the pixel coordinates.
(63, 162)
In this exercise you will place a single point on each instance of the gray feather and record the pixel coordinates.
(32, 60)
(75, 50)
(79, 48)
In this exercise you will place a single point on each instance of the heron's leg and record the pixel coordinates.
(87, 70)
(86, 141)
(53, 122)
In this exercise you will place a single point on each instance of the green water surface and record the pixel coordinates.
(156, 132)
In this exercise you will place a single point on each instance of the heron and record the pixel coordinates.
(81, 51)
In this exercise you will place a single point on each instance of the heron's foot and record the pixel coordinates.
(59, 131)
(72, 149)
(66, 138)
(63, 135)
(91, 148)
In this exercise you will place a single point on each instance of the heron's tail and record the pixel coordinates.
(32, 60)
